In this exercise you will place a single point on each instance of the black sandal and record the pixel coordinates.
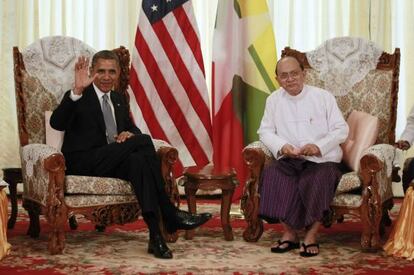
(290, 245)
(305, 252)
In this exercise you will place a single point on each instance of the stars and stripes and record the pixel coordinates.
(168, 91)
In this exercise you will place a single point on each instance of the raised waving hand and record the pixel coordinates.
(82, 77)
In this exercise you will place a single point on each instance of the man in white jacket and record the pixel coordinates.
(303, 127)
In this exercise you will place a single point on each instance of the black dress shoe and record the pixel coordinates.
(187, 221)
(159, 248)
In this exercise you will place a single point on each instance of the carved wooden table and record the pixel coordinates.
(12, 176)
(210, 178)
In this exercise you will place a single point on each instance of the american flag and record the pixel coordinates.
(168, 90)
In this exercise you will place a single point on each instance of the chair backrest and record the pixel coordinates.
(43, 72)
(360, 75)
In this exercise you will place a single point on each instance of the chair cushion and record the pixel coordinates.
(97, 186)
(363, 132)
(98, 200)
(347, 200)
(54, 137)
(349, 181)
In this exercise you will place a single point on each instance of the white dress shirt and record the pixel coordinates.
(99, 94)
(311, 117)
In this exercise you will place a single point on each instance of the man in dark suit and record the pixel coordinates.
(101, 140)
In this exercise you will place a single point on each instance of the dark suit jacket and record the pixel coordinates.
(83, 121)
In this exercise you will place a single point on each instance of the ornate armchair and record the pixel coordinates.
(43, 72)
(364, 78)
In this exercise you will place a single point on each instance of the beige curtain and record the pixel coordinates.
(105, 24)
(9, 154)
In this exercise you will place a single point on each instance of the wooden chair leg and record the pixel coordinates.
(12, 176)
(250, 207)
(100, 228)
(73, 223)
(57, 216)
(33, 209)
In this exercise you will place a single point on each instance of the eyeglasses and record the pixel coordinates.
(292, 74)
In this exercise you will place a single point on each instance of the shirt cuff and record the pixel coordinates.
(73, 96)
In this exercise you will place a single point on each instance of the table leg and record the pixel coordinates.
(225, 214)
(13, 200)
(190, 193)
(12, 176)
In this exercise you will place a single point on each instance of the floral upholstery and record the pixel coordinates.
(386, 153)
(367, 96)
(347, 200)
(35, 177)
(76, 201)
(97, 185)
(349, 181)
(37, 101)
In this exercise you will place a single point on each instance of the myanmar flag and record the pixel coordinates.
(244, 61)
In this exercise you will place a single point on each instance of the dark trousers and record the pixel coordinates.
(134, 160)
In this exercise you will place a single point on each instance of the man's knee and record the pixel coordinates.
(142, 139)
(142, 144)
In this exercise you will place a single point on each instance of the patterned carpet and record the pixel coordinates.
(122, 250)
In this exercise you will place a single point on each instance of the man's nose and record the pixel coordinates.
(107, 75)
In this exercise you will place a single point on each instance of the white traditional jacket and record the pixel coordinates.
(311, 117)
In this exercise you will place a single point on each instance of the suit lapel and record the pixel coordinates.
(95, 105)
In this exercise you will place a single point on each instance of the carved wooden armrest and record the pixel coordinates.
(43, 174)
(166, 151)
(255, 155)
(376, 169)
(168, 156)
(375, 172)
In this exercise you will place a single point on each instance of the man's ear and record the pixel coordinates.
(277, 79)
